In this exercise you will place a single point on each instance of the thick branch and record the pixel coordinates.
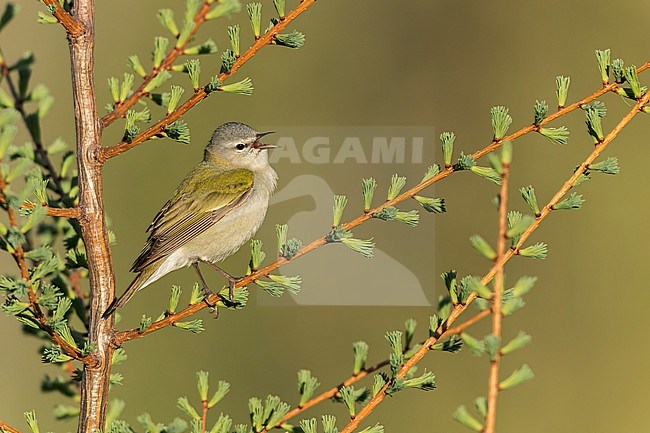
(72, 25)
(94, 385)
(123, 336)
(458, 309)
(497, 318)
(201, 94)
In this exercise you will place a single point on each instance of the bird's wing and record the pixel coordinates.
(186, 216)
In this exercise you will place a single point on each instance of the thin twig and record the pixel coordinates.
(6, 427)
(62, 212)
(72, 25)
(123, 336)
(458, 309)
(332, 392)
(493, 383)
(201, 94)
(204, 415)
(167, 63)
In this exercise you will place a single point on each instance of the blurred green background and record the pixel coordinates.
(438, 65)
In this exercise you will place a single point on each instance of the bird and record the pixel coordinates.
(216, 209)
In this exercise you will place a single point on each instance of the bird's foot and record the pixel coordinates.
(232, 282)
(207, 293)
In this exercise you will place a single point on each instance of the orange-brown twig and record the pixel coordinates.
(67, 212)
(204, 415)
(332, 392)
(201, 94)
(167, 63)
(458, 309)
(72, 25)
(6, 427)
(124, 336)
(497, 318)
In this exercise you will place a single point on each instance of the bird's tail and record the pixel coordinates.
(137, 284)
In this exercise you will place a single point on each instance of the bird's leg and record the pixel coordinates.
(206, 290)
(231, 280)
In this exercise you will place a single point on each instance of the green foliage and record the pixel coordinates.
(617, 70)
(594, 124)
(363, 247)
(194, 326)
(574, 201)
(633, 79)
(537, 251)
(233, 36)
(360, 349)
(174, 297)
(178, 131)
(462, 415)
(183, 404)
(431, 172)
(279, 7)
(465, 162)
(501, 121)
(609, 166)
(340, 201)
(517, 377)
(487, 173)
(521, 340)
(483, 247)
(307, 384)
(603, 58)
(562, 84)
(396, 185)
(434, 205)
(540, 110)
(257, 255)
(255, 16)
(556, 135)
(447, 139)
(228, 59)
(243, 87)
(294, 39)
(368, 187)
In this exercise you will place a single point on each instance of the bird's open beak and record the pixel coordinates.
(259, 145)
(262, 134)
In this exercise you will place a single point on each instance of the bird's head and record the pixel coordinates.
(238, 144)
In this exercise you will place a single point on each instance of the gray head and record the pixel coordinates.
(240, 145)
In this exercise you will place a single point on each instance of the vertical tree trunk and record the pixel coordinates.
(94, 389)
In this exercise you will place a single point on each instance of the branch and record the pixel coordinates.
(458, 309)
(201, 94)
(6, 427)
(332, 392)
(123, 336)
(73, 26)
(167, 63)
(95, 378)
(68, 212)
(497, 318)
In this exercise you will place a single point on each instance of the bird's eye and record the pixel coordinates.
(241, 146)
